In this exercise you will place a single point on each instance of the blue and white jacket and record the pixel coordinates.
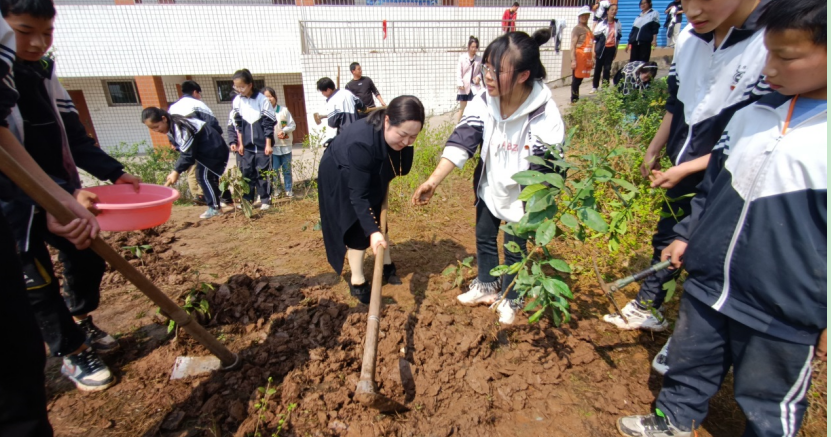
(254, 118)
(707, 85)
(190, 107)
(645, 27)
(201, 143)
(758, 227)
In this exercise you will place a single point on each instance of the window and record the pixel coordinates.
(121, 93)
(225, 89)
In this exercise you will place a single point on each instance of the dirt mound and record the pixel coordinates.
(151, 252)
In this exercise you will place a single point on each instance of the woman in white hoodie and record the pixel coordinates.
(514, 119)
(468, 75)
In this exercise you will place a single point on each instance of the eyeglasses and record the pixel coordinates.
(488, 70)
(240, 88)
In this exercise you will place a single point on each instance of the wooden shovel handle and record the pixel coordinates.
(373, 323)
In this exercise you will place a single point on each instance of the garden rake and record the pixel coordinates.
(609, 289)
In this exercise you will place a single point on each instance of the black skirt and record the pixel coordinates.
(464, 97)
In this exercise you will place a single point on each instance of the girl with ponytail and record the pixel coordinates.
(197, 143)
(468, 75)
(515, 119)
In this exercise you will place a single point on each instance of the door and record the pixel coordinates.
(80, 102)
(296, 103)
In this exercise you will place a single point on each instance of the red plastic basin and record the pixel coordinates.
(122, 209)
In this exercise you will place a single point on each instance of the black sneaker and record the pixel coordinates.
(87, 371)
(652, 425)
(96, 338)
(391, 275)
(200, 200)
(361, 292)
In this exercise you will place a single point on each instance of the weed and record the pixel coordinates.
(138, 251)
(459, 271)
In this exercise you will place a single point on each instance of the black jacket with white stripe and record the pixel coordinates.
(254, 118)
(758, 227)
(190, 107)
(199, 142)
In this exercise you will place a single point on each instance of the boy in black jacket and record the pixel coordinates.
(47, 123)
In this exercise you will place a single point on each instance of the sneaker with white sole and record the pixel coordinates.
(507, 311)
(289, 194)
(638, 318)
(653, 425)
(265, 206)
(96, 337)
(659, 363)
(594, 90)
(210, 213)
(484, 293)
(87, 371)
(225, 204)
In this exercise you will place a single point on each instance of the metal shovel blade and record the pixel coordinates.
(368, 395)
(607, 289)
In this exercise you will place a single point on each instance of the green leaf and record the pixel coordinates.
(536, 270)
(669, 286)
(560, 265)
(466, 262)
(499, 271)
(539, 201)
(536, 317)
(449, 271)
(570, 221)
(171, 325)
(528, 177)
(603, 174)
(515, 267)
(555, 179)
(593, 219)
(512, 246)
(271, 391)
(562, 287)
(508, 228)
(541, 216)
(531, 305)
(545, 233)
(317, 226)
(537, 160)
(556, 316)
(675, 199)
(530, 190)
(624, 184)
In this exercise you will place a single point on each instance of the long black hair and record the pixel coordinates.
(155, 115)
(270, 91)
(246, 77)
(400, 109)
(521, 51)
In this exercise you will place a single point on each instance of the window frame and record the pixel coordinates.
(106, 84)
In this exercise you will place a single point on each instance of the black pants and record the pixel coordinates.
(487, 252)
(208, 179)
(652, 292)
(575, 87)
(83, 270)
(770, 375)
(603, 63)
(641, 51)
(251, 164)
(22, 394)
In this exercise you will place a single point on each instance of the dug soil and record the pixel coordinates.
(274, 300)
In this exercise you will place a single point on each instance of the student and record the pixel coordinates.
(716, 70)
(635, 77)
(674, 13)
(509, 18)
(281, 156)
(755, 248)
(190, 105)
(644, 34)
(600, 8)
(515, 119)
(468, 75)
(251, 134)
(341, 107)
(199, 145)
(363, 87)
(582, 52)
(355, 173)
(46, 121)
(607, 35)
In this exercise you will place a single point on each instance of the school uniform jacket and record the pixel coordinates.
(254, 118)
(190, 107)
(204, 146)
(342, 109)
(8, 96)
(758, 228)
(601, 35)
(707, 85)
(645, 27)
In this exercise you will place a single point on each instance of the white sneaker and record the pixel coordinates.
(264, 207)
(638, 318)
(659, 363)
(507, 311)
(649, 426)
(594, 90)
(289, 194)
(480, 293)
(210, 213)
(223, 205)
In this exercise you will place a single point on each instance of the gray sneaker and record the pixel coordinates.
(652, 425)
(96, 337)
(87, 371)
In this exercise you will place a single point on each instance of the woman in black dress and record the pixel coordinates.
(353, 180)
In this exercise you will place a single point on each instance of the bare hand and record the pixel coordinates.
(476, 80)
(462, 88)
(675, 252)
(668, 178)
(88, 200)
(651, 161)
(822, 346)
(424, 193)
(375, 240)
(171, 179)
(79, 231)
(127, 178)
(233, 147)
(268, 150)
(628, 47)
(281, 135)
(573, 65)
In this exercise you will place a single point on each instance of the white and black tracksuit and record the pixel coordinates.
(756, 296)
(644, 30)
(205, 147)
(707, 85)
(341, 111)
(254, 119)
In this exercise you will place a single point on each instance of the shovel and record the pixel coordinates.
(609, 289)
(367, 392)
(34, 189)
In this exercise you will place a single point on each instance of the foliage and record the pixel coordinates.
(304, 171)
(137, 251)
(261, 406)
(151, 164)
(234, 181)
(459, 271)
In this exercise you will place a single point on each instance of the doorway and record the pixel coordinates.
(296, 104)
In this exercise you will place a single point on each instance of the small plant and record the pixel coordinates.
(261, 406)
(138, 251)
(234, 181)
(195, 305)
(283, 419)
(459, 271)
(315, 227)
